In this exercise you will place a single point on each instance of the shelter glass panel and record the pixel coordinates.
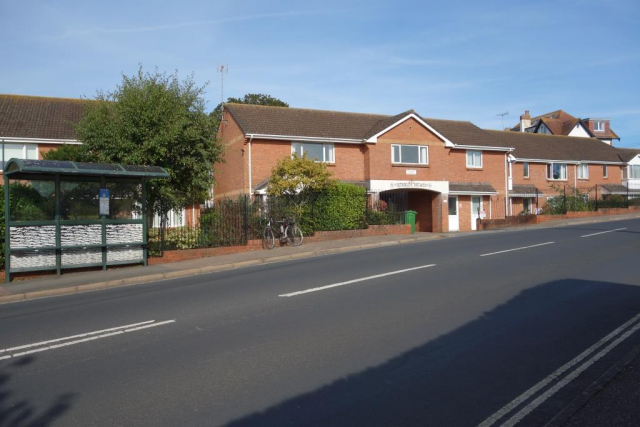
(125, 200)
(33, 200)
(80, 200)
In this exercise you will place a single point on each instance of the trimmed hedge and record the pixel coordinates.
(341, 207)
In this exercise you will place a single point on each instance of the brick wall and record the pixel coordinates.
(586, 214)
(538, 177)
(264, 156)
(45, 148)
(187, 254)
(510, 221)
(231, 175)
(373, 230)
(252, 245)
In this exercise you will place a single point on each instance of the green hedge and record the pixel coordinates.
(341, 207)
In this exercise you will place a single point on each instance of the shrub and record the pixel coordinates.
(340, 207)
(389, 216)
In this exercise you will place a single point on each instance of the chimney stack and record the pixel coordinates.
(525, 121)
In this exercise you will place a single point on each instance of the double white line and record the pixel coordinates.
(37, 347)
(575, 367)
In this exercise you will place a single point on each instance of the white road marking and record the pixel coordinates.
(518, 249)
(6, 350)
(566, 380)
(90, 336)
(602, 232)
(348, 282)
(555, 375)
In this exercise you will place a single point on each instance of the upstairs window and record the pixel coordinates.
(544, 129)
(583, 171)
(410, 154)
(634, 171)
(557, 171)
(525, 169)
(598, 125)
(605, 171)
(474, 158)
(18, 151)
(315, 151)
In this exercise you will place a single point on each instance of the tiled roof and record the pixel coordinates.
(39, 117)
(283, 121)
(560, 122)
(626, 154)
(471, 187)
(551, 147)
(462, 133)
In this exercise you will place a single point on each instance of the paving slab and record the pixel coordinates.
(100, 279)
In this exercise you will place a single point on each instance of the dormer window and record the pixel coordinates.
(598, 125)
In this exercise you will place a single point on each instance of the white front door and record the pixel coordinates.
(454, 224)
(476, 207)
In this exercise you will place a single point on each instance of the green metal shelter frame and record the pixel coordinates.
(57, 171)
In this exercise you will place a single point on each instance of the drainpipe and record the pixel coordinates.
(506, 186)
(250, 183)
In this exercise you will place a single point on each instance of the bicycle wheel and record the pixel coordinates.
(268, 238)
(294, 235)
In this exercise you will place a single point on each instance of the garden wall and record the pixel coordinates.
(585, 214)
(512, 221)
(252, 245)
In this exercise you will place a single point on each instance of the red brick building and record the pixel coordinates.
(450, 172)
(33, 125)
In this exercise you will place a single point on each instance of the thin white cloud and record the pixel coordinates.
(179, 25)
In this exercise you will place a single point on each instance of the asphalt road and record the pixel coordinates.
(443, 333)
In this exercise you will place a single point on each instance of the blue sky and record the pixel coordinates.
(458, 60)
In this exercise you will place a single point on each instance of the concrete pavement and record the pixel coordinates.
(73, 282)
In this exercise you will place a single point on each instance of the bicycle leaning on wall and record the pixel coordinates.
(287, 232)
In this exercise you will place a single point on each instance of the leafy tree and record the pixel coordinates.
(152, 119)
(299, 179)
(250, 98)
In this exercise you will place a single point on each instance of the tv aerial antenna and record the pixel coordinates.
(506, 113)
(222, 69)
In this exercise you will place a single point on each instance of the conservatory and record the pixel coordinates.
(62, 215)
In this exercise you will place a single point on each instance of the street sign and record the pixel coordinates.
(104, 201)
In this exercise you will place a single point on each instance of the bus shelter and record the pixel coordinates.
(62, 215)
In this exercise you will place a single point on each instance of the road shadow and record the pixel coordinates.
(19, 411)
(462, 377)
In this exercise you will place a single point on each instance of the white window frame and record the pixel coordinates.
(598, 126)
(325, 145)
(605, 171)
(525, 169)
(24, 152)
(550, 172)
(472, 165)
(630, 168)
(423, 154)
(582, 168)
